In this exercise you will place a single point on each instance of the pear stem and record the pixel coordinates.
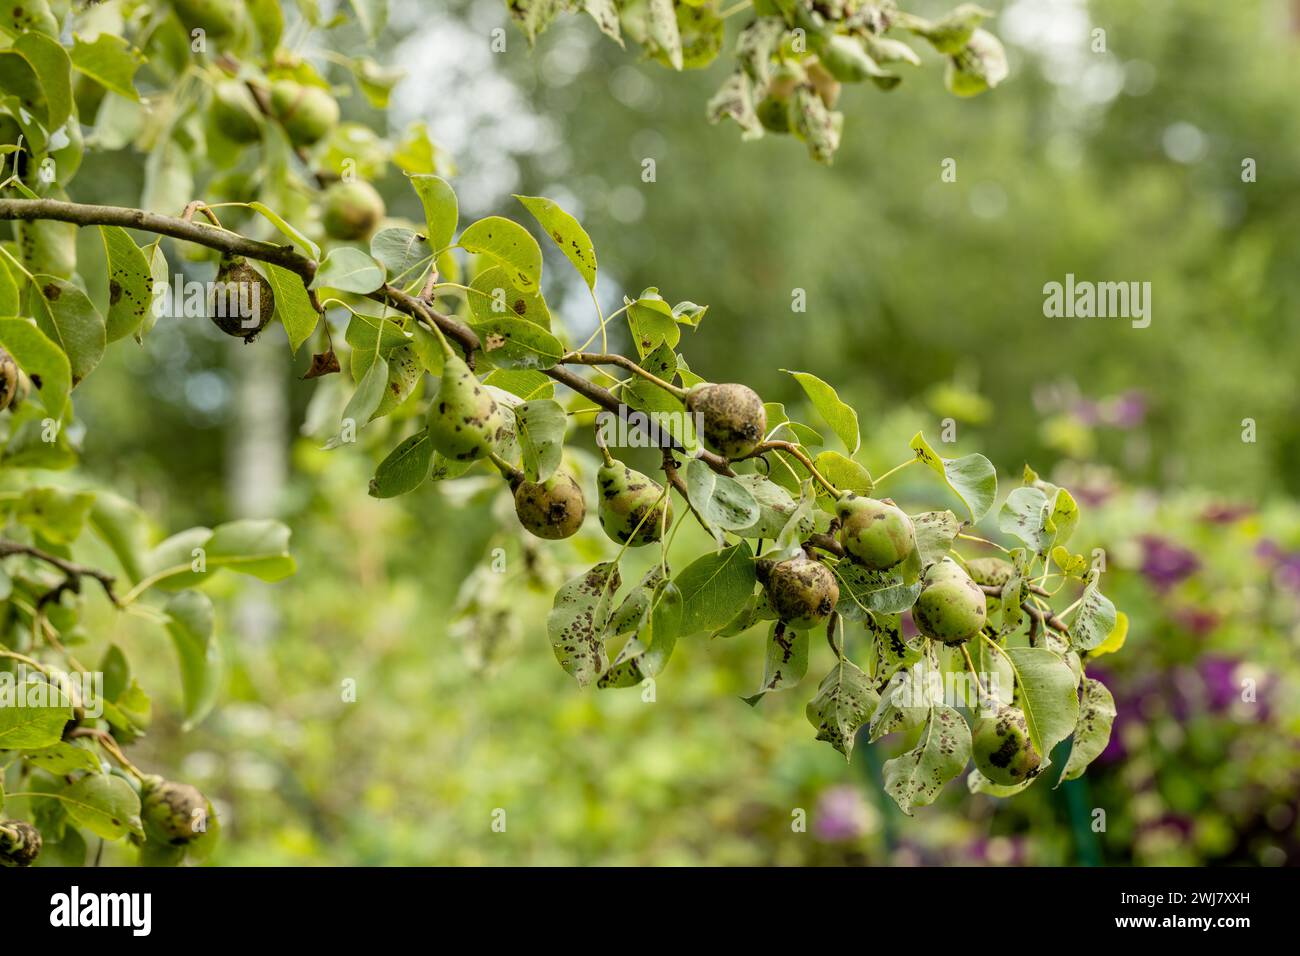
(508, 471)
(794, 451)
(895, 469)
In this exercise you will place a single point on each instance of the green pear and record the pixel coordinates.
(218, 19)
(465, 422)
(876, 534)
(23, 847)
(307, 113)
(951, 607)
(732, 416)
(235, 112)
(629, 499)
(803, 592)
(352, 210)
(171, 811)
(991, 571)
(553, 508)
(1002, 748)
(9, 379)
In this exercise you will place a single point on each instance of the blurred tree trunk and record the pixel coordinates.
(258, 466)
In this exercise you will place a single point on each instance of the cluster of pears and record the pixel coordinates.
(465, 422)
(875, 534)
(951, 608)
(801, 590)
(238, 288)
(170, 810)
(733, 418)
(20, 843)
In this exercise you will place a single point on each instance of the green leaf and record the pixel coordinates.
(1115, 640)
(1024, 514)
(190, 626)
(494, 297)
(540, 425)
(30, 15)
(292, 305)
(130, 283)
(441, 210)
(647, 652)
(844, 473)
(256, 546)
(840, 416)
(1047, 695)
(1064, 518)
(10, 303)
(511, 245)
(56, 514)
(715, 587)
(972, 477)
(54, 70)
(18, 79)
(605, 13)
(1092, 732)
(775, 508)
(63, 758)
(864, 592)
(401, 251)
(370, 392)
(349, 270)
(517, 343)
(915, 778)
(41, 359)
(652, 323)
(1095, 618)
(110, 61)
(902, 705)
(935, 533)
(893, 652)
(578, 618)
(293, 234)
(406, 468)
(105, 805)
(36, 717)
(724, 503)
(845, 701)
(785, 663)
(71, 321)
(567, 233)
(369, 332)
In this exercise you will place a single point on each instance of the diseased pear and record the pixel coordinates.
(10, 379)
(553, 508)
(465, 422)
(732, 415)
(1002, 748)
(23, 847)
(803, 592)
(172, 812)
(876, 534)
(991, 571)
(241, 301)
(951, 607)
(628, 499)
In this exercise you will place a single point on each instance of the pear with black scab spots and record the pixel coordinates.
(20, 843)
(951, 607)
(241, 302)
(877, 534)
(803, 592)
(633, 508)
(10, 379)
(465, 422)
(732, 416)
(173, 813)
(553, 508)
(1002, 747)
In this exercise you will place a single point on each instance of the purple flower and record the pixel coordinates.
(1164, 563)
(842, 814)
(1221, 688)
(1127, 411)
(1196, 620)
(1288, 572)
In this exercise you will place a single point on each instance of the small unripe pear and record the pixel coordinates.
(23, 847)
(235, 113)
(991, 571)
(1002, 747)
(307, 113)
(734, 419)
(803, 592)
(876, 534)
(172, 813)
(352, 210)
(241, 302)
(553, 508)
(465, 422)
(773, 113)
(628, 499)
(951, 607)
(10, 379)
(218, 19)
